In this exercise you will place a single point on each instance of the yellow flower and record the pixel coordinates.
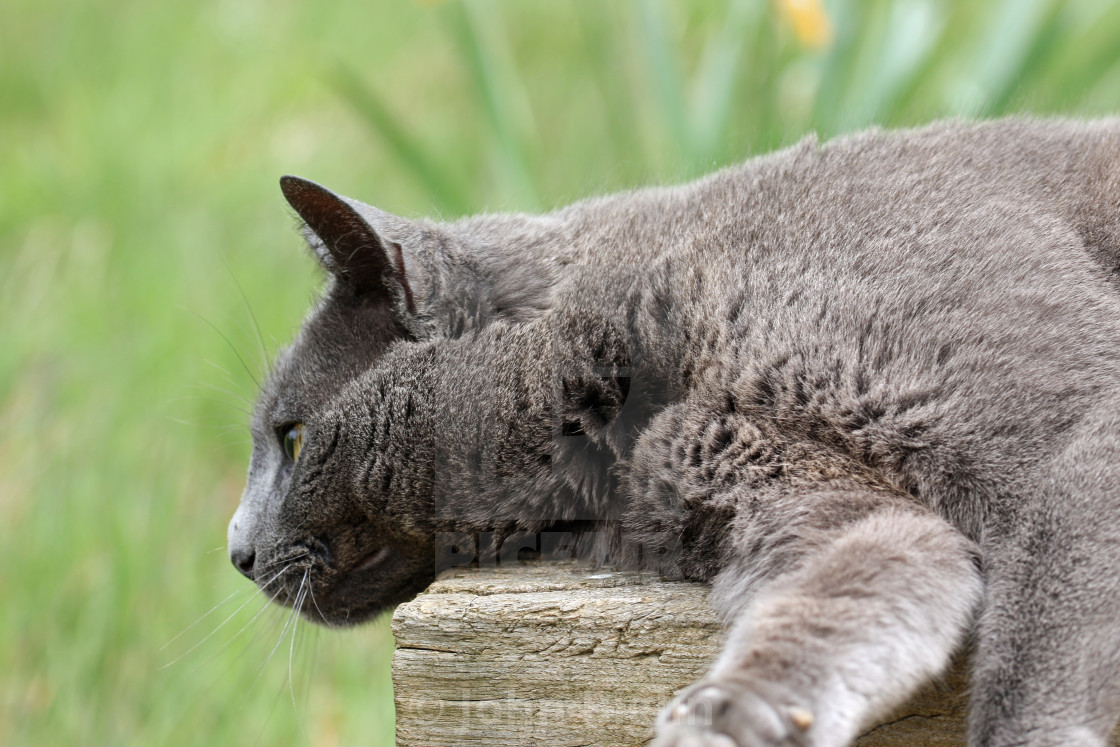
(809, 20)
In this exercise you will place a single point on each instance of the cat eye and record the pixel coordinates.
(293, 441)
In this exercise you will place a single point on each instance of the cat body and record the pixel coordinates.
(869, 390)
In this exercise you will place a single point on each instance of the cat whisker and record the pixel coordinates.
(311, 659)
(300, 598)
(208, 421)
(283, 634)
(217, 400)
(234, 444)
(281, 572)
(221, 625)
(232, 347)
(268, 604)
(180, 421)
(226, 441)
(248, 308)
(278, 621)
(316, 603)
(203, 616)
(227, 392)
(273, 564)
(228, 378)
(226, 373)
(265, 605)
(220, 367)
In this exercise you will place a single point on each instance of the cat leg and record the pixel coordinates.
(1047, 666)
(844, 600)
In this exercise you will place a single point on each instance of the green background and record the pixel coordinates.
(144, 242)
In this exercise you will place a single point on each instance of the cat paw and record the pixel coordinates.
(728, 714)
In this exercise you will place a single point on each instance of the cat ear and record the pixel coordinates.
(345, 241)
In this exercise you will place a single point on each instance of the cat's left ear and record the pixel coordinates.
(349, 240)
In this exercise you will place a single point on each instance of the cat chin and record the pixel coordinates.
(348, 611)
(377, 583)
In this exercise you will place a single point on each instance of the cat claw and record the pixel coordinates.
(686, 736)
(802, 718)
(729, 714)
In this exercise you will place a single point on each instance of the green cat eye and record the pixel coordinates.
(293, 441)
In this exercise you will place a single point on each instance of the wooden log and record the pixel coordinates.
(564, 654)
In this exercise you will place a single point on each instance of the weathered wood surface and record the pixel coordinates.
(562, 654)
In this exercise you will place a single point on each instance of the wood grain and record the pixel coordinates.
(563, 654)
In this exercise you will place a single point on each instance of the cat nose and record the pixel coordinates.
(243, 560)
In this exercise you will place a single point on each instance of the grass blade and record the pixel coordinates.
(668, 89)
(447, 196)
(720, 69)
(907, 33)
(487, 58)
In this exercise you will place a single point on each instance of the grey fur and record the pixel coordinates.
(870, 390)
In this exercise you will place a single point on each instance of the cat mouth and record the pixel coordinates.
(327, 590)
(372, 560)
(381, 579)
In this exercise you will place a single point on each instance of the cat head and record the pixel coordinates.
(501, 428)
(391, 283)
(369, 303)
(345, 527)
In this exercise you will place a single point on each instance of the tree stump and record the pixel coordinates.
(565, 654)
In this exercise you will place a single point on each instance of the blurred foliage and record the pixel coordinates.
(148, 267)
(656, 90)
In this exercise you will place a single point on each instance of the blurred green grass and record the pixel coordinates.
(140, 221)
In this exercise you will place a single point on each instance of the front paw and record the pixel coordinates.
(720, 713)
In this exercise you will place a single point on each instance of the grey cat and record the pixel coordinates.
(870, 390)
